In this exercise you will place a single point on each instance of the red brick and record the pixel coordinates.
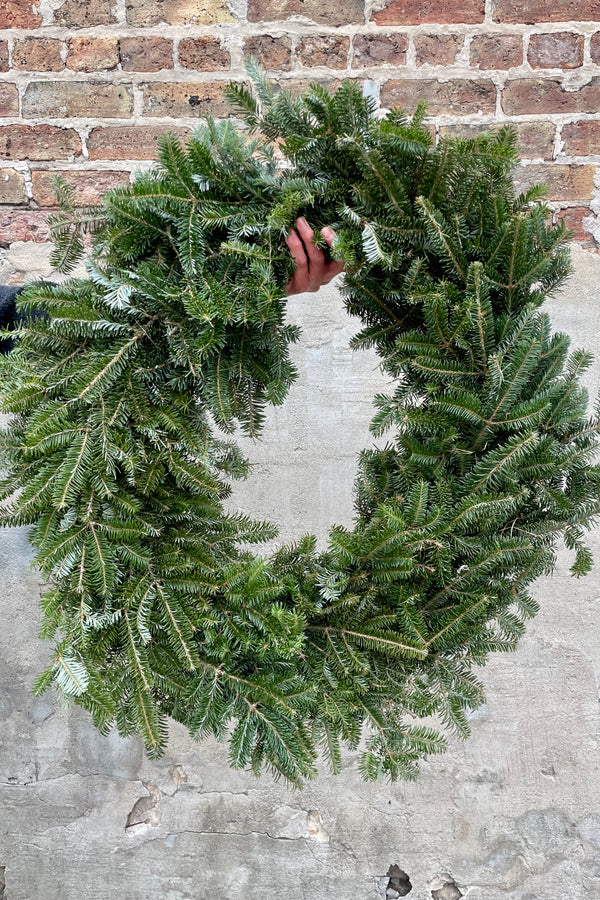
(325, 12)
(524, 96)
(563, 182)
(272, 52)
(204, 54)
(497, 51)
(556, 50)
(531, 12)
(581, 138)
(90, 186)
(536, 139)
(573, 218)
(178, 12)
(9, 100)
(63, 99)
(185, 100)
(19, 14)
(324, 50)
(140, 54)
(38, 55)
(442, 98)
(437, 49)
(437, 12)
(4, 56)
(12, 188)
(38, 142)
(595, 48)
(128, 141)
(92, 54)
(24, 225)
(379, 49)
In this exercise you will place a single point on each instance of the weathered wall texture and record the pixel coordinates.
(86, 86)
(512, 814)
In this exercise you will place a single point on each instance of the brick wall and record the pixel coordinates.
(86, 86)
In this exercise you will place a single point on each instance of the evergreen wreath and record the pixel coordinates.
(157, 607)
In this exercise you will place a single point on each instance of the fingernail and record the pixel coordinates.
(328, 232)
(302, 219)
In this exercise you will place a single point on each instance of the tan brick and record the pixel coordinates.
(38, 55)
(563, 182)
(89, 186)
(204, 54)
(9, 100)
(140, 54)
(324, 50)
(379, 49)
(464, 130)
(61, 99)
(183, 99)
(84, 13)
(271, 52)
(556, 50)
(178, 12)
(38, 142)
(497, 51)
(325, 12)
(4, 56)
(595, 47)
(24, 225)
(92, 54)
(19, 14)
(536, 139)
(442, 98)
(532, 12)
(421, 12)
(12, 187)
(128, 141)
(581, 138)
(437, 49)
(301, 85)
(573, 218)
(524, 96)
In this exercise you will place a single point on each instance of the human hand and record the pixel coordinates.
(311, 269)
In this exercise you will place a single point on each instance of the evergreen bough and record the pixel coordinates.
(156, 604)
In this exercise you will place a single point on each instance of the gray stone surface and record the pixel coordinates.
(511, 814)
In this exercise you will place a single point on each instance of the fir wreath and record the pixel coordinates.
(157, 606)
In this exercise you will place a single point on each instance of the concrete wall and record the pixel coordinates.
(512, 814)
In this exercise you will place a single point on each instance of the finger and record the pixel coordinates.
(304, 230)
(296, 248)
(329, 235)
(316, 258)
(308, 236)
(298, 283)
(334, 267)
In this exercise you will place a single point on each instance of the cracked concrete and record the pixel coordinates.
(146, 810)
(443, 887)
(511, 814)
